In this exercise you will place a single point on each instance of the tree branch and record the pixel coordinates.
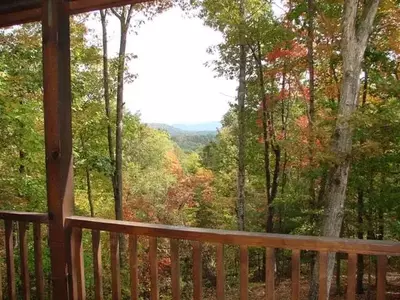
(367, 19)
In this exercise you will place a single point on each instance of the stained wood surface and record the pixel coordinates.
(39, 275)
(322, 274)
(115, 267)
(244, 272)
(296, 274)
(153, 268)
(220, 272)
(351, 276)
(97, 265)
(175, 270)
(9, 244)
(280, 241)
(197, 271)
(133, 267)
(24, 270)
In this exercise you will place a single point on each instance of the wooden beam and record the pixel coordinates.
(73, 8)
(58, 140)
(283, 241)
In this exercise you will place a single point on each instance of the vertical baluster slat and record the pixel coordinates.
(351, 276)
(153, 269)
(244, 272)
(23, 247)
(133, 261)
(220, 272)
(97, 265)
(323, 269)
(175, 269)
(39, 275)
(197, 271)
(295, 274)
(9, 243)
(381, 273)
(270, 274)
(115, 267)
(78, 264)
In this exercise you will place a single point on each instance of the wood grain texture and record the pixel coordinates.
(197, 271)
(97, 265)
(23, 250)
(381, 273)
(9, 244)
(220, 272)
(295, 274)
(39, 273)
(270, 274)
(322, 274)
(244, 273)
(115, 267)
(175, 269)
(250, 239)
(133, 266)
(351, 276)
(78, 263)
(153, 269)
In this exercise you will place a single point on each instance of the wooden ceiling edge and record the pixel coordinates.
(75, 7)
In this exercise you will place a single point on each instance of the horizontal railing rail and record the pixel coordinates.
(23, 219)
(282, 241)
(322, 245)
(31, 217)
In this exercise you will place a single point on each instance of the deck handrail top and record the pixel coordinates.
(285, 241)
(33, 217)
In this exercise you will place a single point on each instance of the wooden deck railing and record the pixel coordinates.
(23, 220)
(219, 237)
(197, 236)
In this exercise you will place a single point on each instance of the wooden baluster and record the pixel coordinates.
(244, 272)
(39, 275)
(351, 276)
(78, 264)
(23, 247)
(153, 269)
(323, 270)
(220, 272)
(9, 243)
(175, 270)
(295, 274)
(133, 261)
(115, 267)
(97, 265)
(381, 285)
(270, 274)
(197, 271)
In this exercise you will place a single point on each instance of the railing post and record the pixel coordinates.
(58, 139)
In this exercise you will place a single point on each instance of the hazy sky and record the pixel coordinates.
(173, 85)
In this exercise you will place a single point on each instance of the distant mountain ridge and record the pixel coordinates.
(188, 129)
(190, 137)
(208, 126)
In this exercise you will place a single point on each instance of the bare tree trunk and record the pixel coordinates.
(89, 191)
(355, 34)
(241, 176)
(360, 210)
(106, 78)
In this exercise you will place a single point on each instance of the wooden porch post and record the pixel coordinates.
(58, 139)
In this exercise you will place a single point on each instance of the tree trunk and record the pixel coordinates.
(89, 192)
(124, 18)
(241, 176)
(355, 33)
(107, 107)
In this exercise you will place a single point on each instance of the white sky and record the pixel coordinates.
(173, 85)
